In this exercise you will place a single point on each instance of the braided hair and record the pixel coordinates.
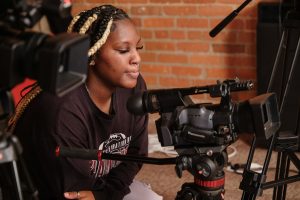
(97, 23)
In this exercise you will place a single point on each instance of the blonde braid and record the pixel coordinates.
(102, 40)
(74, 20)
(88, 23)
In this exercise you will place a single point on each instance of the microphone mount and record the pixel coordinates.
(228, 19)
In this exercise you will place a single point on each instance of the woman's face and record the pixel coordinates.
(117, 63)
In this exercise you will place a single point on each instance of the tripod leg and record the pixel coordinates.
(286, 174)
(282, 172)
(278, 61)
(17, 180)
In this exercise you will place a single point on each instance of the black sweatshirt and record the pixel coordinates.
(75, 121)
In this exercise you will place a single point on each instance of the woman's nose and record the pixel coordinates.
(136, 58)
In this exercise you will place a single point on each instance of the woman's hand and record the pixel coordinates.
(82, 195)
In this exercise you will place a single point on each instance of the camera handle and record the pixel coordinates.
(207, 169)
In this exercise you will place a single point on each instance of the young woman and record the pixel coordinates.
(93, 116)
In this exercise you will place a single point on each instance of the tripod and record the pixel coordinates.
(11, 160)
(284, 83)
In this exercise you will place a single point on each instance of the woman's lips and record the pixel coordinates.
(133, 75)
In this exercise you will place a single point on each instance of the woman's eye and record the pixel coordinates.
(140, 47)
(123, 51)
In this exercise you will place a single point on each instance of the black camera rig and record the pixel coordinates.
(200, 133)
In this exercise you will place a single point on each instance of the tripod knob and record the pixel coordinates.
(203, 170)
(182, 163)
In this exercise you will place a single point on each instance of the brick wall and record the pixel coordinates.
(178, 51)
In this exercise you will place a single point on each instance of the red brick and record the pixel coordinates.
(246, 73)
(99, 2)
(137, 22)
(146, 10)
(197, 1)
(160, 46)
(158, 22)
(146, 34)
(156, 69)
(223, 73)
(193, 46)
(247, 37)
(129, 1)
(150, 79)
(147, 56)
(180, 10)
(206, 59)
(251, 49)
(172, 58)
(225, 60)
(192, 23)
(170, 82)
(214, 10)
(198, 35)
(228, 48)
(186, 71)
(77, 8)
(250, 24)
(161, 34)
(164, 1)
(226, 36)
(174, 34)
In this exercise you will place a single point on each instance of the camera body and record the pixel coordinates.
(184, 124)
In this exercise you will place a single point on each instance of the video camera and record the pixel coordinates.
(185, 124)
(58, 63)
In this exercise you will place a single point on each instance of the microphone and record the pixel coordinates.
(228, 19)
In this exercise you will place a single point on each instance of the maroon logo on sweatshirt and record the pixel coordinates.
(117, 143)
